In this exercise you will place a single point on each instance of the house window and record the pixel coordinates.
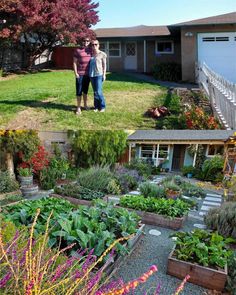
(146, 151)
(163, 151)
(215, 150)
(165, 47)
(114, 49)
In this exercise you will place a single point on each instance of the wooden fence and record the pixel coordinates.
(222, 94)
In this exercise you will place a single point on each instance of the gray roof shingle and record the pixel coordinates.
(138, 31)
(228, 18)
(178, 135)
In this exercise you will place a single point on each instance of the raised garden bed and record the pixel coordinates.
(74, 201)
(113, 263)
(159, 220)
(200, 275)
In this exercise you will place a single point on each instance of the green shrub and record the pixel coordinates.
(211, 168)
(192, 190)
(223, 219)
(113, 187)
(7, 184)
(168, 71)
(128, 179)
(188, 169)
(231, 279)
(96, 178)
(148, 189)
(144, 168)
(171, 122)
(48, 178)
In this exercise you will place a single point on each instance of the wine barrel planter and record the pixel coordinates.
(29, 191)
(200, 275)
(160, 220)
(25, 180)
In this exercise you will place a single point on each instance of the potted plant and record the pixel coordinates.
(25, 176)
(172, 190)
(202, 255)
(27, 188)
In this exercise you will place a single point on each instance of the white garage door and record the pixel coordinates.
(218, 51)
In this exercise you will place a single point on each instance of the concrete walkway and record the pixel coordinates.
(167, 84)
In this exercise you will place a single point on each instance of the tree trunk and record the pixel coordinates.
(10, 165)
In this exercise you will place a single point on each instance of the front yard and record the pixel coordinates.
(47, 101)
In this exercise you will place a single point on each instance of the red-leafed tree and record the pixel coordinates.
(43, 24)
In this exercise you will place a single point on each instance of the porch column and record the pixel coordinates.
(108, 58)
(157, 160)
(195, 155)
(129, 152)
(144, 56)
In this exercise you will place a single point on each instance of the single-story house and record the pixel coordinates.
(170, 148)
(211, 40)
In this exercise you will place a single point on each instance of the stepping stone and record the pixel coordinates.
(136, 193)
(205, 208)
(215, 195)
(213, 199)
(154, 232)
(202, 213)
(199, 225)
(211, 204)
(185, 197)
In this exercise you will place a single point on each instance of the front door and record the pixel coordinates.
(131, 56)
(178, 157)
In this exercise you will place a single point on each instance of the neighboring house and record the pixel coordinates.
(60, 138)
(211, 40)
(169, 148)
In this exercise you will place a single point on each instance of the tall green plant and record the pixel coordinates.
(97, 147)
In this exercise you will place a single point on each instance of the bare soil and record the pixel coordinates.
(28, 119)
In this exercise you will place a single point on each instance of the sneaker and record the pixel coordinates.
(95, 110)
(78, 112)
(102, 110)
(86, 108)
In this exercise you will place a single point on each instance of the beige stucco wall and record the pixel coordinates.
(189, 47)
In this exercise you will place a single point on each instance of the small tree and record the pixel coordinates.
(42, 24)
(13, 141)
(97, 147)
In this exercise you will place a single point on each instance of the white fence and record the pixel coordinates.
(221, 93)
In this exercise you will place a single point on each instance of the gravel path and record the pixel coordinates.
(155, 250)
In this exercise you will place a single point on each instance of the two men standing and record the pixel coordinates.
(89, 64)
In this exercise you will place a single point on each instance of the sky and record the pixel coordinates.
(128, 13)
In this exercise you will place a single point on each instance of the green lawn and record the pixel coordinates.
(46, 101)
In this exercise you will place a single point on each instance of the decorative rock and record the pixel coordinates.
(155, 232)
